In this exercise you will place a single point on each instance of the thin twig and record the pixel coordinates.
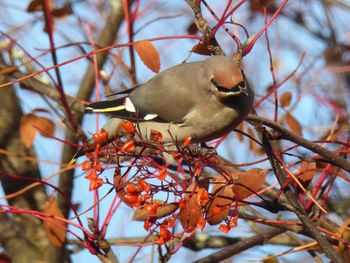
(204, 27)
(296, 206)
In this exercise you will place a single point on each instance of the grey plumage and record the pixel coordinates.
(203, 100)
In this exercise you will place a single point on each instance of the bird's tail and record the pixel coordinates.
(107, 106)
(121, 108)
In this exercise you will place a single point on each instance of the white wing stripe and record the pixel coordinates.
(129, 106)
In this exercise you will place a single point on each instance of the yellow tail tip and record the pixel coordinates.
(72, 161)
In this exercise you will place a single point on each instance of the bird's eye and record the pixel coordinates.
(219, 88)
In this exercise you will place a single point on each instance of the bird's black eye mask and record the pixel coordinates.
(237, 90)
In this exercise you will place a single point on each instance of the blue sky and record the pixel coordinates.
(288, 43)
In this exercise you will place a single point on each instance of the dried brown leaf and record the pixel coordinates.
(239, 135)
(62, 11)
(46, 126)
(192, 28)
(190, 215)
(141, 214)
(54, 228)
(201, 49)
(285, 99)
(307, 171)
(148, 54)
(293, 124)
(250, 182)
(219, 207)
(26, 129)
(35, 5)
(31, 124)
(8, 70)
(118, 182)
(252, 144)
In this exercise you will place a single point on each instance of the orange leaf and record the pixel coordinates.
(239, 135)
(293, 124)
(132, 200)
(148, 54)
(169, 222)
(219, 206)
(190, 211)
(250, 182)
(156, 136)
(26, 130)
(165, 234)
(201, 222)
(187, 141)
(31, 124)
(162, 174)
(129, 146)
(95, 184)
(202, 197)
(224, 228)
(46, 126)
(128, 126)
(151, 208)
(86, 166)
(54, 228)
(307, 171)
(285, 99)
(100, 137)
(131, 188)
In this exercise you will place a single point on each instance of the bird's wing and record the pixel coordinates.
(167, 97)
(120, 108)
(173, 93)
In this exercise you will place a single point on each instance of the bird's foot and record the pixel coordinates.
(203, 150)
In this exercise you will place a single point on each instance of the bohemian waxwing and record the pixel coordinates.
(202, 100)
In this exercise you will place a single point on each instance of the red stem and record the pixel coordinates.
(130, 30)
(30, 179)
(59, 87)
(43, 216)
(96, 52)
(252, 43)
(272, 70)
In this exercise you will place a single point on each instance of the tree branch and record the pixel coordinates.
(288, 135)
(295, 203)
(234, 249)
(106, 38)
(204, 27)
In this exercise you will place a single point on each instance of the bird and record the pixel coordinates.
(203, 100)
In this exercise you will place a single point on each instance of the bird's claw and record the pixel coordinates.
(243, 90)
(202, 150)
